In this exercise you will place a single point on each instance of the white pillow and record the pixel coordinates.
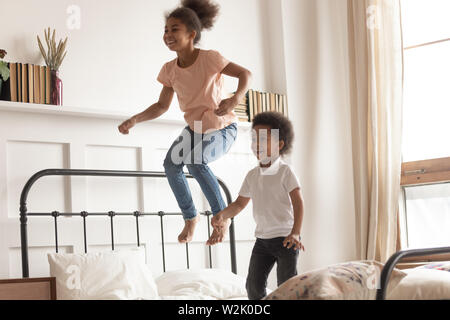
(422, 284)
(201, 284)
(102, 275)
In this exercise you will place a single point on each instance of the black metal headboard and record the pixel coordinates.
(111, 214)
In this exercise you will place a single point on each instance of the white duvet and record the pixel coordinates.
(201, 284)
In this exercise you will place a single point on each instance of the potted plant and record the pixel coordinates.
(4, 70)
(53, 58)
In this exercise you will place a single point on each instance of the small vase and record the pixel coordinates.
(56, 89)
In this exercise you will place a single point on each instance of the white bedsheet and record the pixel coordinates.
(201, 284)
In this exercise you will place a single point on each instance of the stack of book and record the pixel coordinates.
(29, 83)
(241, 110)
(265, 101)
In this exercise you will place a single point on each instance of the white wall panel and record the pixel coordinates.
(24, 158)
(119, 194)
(40, 266)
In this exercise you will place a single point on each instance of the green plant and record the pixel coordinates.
(4, 70)
(55, 54)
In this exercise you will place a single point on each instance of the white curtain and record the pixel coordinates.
(376, 84)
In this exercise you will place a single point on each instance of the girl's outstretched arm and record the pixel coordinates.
(152, 112)
(244, 76)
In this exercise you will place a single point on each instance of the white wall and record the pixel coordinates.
(316, 76)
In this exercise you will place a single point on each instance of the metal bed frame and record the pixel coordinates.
(384, 278)
(111, 214)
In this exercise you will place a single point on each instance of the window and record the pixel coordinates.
(426, 123)
(428, 215)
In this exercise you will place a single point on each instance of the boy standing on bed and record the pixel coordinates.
(277, 205)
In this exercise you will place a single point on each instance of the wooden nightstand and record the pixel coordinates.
(28, 289)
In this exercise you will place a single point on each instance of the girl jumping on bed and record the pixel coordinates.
(277, 205)
(196, 77)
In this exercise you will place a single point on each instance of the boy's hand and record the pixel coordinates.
(226, 105)
(127, 125)
(293, 240)
(218, 222)
(220, 226)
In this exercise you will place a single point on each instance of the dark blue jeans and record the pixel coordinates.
(264, 255)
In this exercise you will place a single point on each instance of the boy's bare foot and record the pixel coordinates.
(218, 234)
(188, 231)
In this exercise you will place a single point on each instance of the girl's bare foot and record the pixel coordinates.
(218, 234)
(188, 231)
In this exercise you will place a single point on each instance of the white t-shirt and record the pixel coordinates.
(269, 190)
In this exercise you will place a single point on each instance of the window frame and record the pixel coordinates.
(422, 172)
(417, 173)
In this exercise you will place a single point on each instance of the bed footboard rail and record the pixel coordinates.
(136, 214)
(396, 258)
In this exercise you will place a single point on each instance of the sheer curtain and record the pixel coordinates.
(376, 84)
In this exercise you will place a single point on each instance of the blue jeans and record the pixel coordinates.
(264, 255)
(196, 150)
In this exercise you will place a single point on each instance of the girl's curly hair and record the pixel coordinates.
(196, 15)
(276, 120)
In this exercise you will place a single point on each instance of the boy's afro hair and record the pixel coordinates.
(277, 120)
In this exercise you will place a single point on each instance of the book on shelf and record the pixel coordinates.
(258, 103)
(272, 102)
(277, 108)
(280, 104)
(255, 103)
(13, 81)
(30, 68)
(25, 82)
(264, 108)
(37, 84)
(19, 82)
(285, 111)
(42, 84)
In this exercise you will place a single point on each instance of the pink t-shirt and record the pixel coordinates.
(199, 89)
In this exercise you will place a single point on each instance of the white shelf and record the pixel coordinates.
(84, 112)
(71, 111)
